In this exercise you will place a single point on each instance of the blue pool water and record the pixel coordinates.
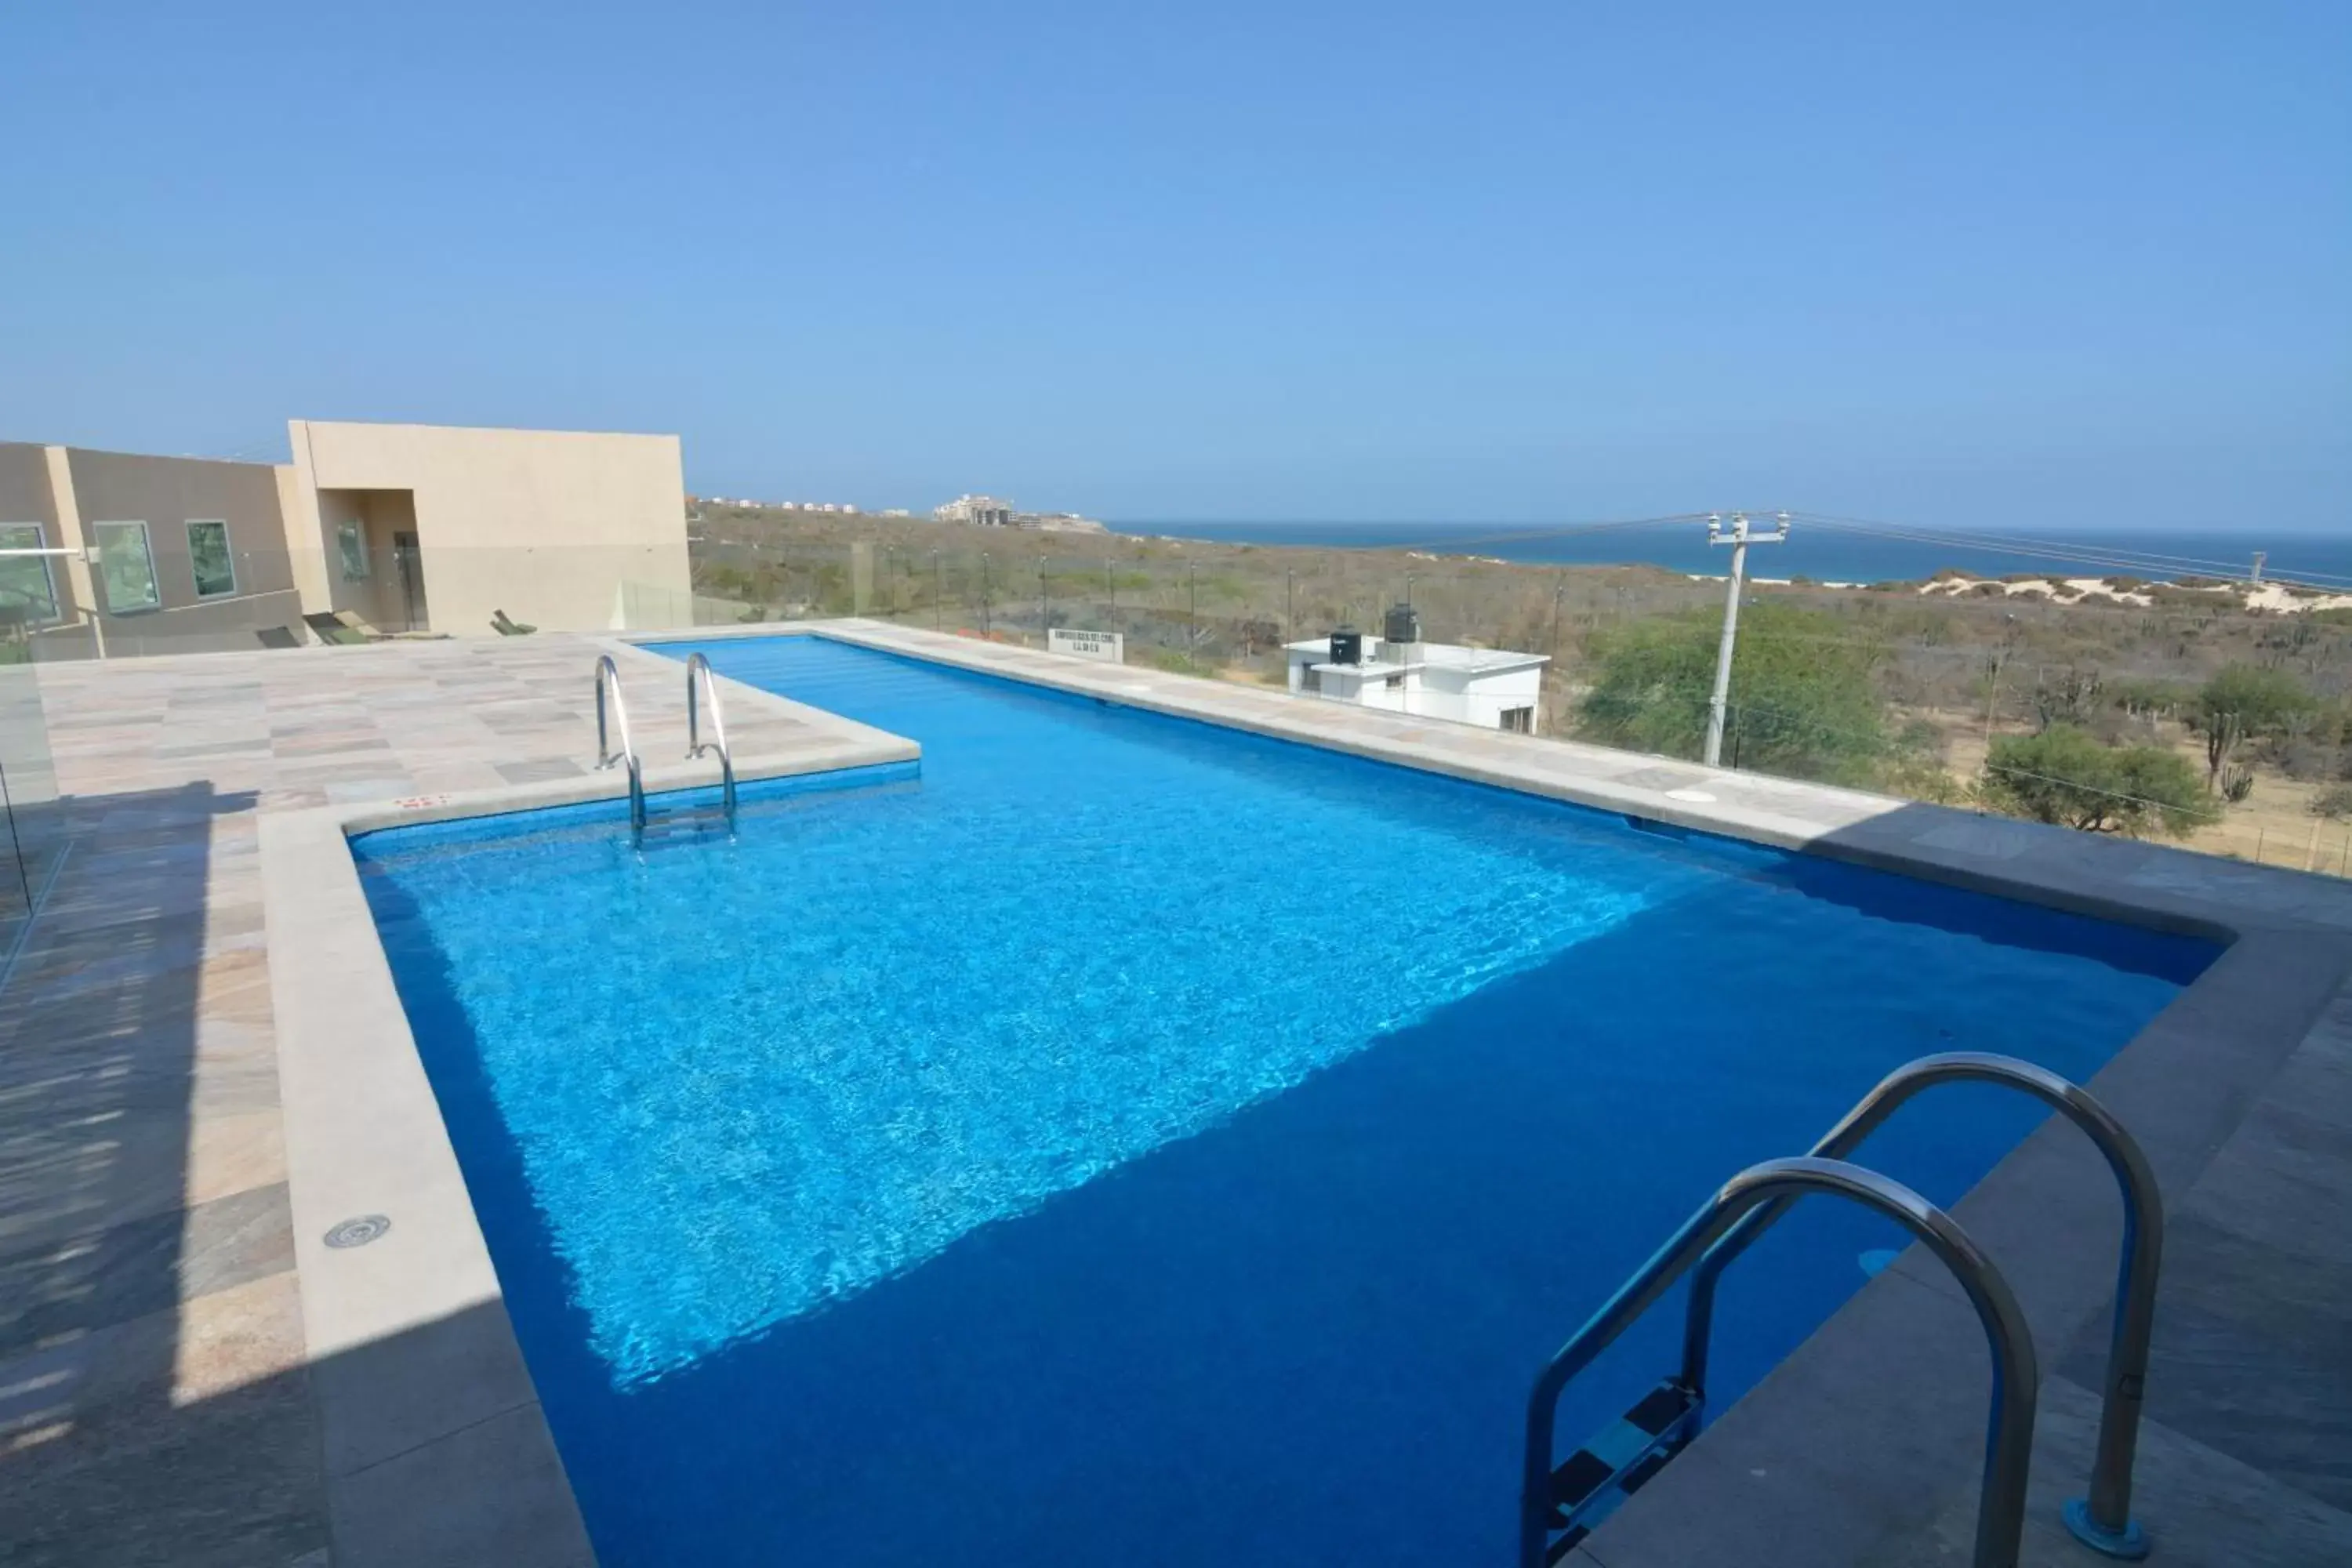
(1122, 1139)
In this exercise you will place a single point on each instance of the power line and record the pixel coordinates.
(2116, 556)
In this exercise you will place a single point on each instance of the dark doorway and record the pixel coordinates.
(408, 568)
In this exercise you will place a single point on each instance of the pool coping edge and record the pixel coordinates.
(362, 1119)
(433, 1440)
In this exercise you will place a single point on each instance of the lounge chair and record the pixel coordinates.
(507, 626)
(334, 629)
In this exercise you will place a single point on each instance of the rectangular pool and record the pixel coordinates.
(1123, 1140)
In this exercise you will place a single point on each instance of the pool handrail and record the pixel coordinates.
(2008, 1429)
(2103, 1519)
(608, 675)
(695, 745)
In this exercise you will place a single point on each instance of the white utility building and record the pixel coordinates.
(1493, 687)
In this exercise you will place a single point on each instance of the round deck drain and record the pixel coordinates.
(358, 1232)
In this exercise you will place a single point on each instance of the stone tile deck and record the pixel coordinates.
(161, 1394)
(154, 1402)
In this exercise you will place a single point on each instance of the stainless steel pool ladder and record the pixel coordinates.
(707, 688)
(608, 679)
(1550, 1523)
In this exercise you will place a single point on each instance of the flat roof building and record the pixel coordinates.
(404, 528)
(1493, 687)
(985, 511)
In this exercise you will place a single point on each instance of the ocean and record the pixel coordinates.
(2324, 559)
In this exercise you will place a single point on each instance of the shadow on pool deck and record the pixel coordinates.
(135, 1307)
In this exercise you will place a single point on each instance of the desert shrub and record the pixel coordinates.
(2335, 804)
(2151, 699)
(2065, 776)
(1804, 703)
(2246, 701)
(2070, 696)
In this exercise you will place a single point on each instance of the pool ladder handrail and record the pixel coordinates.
(2103, 1519)
(2008, 1431)
(608, 677)
(697, 665)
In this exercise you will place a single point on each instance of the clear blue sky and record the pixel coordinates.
(2032, 264)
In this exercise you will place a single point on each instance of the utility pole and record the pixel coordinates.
(1740, 536)
(985, 590)
(1551, 670)
(939, 616)
(1289, 603)
(1192, 614)
(1044, 637)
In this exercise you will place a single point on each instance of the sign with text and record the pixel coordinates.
(1108, 646)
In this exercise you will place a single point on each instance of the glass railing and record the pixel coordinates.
(2114, 717)
(32, 835)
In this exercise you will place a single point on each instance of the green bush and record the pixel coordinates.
(2245, 700)
(2067, 776)
(1804, 701)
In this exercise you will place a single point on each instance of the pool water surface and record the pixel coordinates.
(1123, 1140)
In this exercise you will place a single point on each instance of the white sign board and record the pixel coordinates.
(1108, 646)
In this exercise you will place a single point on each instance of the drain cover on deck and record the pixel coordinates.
(358, 1232)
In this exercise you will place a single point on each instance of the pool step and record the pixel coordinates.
(1618, 1461)
(688, 824)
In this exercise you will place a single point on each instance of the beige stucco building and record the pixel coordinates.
(404, 528)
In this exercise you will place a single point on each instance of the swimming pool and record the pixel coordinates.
(1126, 1140)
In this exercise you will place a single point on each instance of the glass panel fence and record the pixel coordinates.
(2163, 712)
(31, 830)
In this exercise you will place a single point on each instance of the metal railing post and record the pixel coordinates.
(697, 665)
(2009, 1427)
(609, 675)
(2103, 1519)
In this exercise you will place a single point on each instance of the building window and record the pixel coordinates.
(28, 594)
(1519, 720)
(209, 559)
(352, 543)
(126, 567)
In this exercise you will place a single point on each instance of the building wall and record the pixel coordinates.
(25, 487)
(26, 496)
(1481, 699)
(67, 489)
(167, 494)
(549, 526)
(1431, 691)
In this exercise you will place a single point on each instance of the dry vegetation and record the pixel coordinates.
(1950, 670)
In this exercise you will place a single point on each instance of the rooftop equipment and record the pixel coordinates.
(1347, 646)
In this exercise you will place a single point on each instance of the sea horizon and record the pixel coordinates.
(2311, 555)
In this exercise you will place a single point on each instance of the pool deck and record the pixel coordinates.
(208, 1068)
(188, 1374)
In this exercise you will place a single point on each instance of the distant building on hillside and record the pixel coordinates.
(1493, 687)
(986, 511)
